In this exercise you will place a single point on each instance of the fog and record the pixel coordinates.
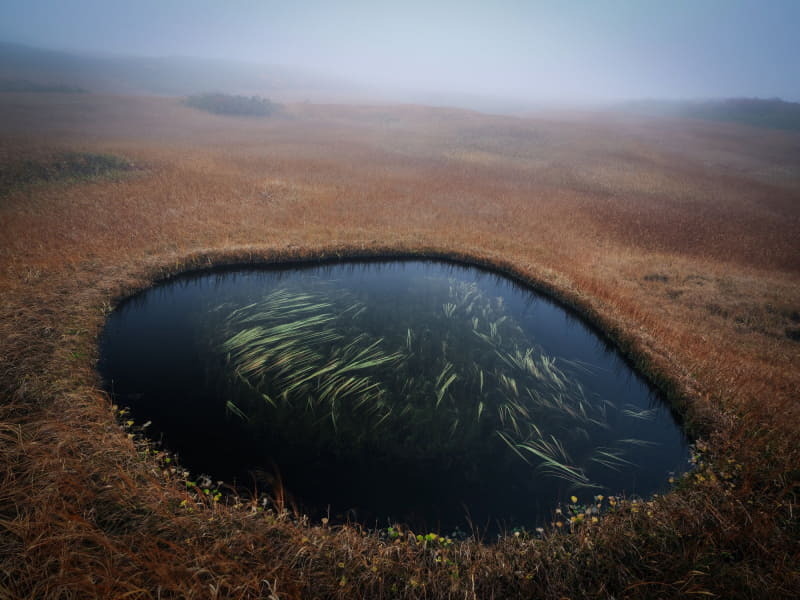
(536, 51)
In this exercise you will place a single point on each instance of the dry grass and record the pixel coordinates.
(679, 239)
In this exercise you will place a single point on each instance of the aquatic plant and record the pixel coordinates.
(461, 383)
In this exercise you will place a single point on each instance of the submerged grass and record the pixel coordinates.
(326, 366)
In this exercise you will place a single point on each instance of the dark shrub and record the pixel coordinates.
(225, 104)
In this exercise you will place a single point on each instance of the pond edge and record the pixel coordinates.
(667, 380)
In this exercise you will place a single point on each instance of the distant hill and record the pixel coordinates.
(24, 85)
(169, 76)
(27, 69)
(772, 113)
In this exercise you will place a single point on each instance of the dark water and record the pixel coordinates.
(416, 392)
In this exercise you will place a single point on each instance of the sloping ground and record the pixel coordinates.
(680, 242)
(26, 68)
(772, 113)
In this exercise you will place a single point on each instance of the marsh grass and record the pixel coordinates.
(583, 206)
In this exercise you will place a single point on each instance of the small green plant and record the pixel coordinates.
(432, 540)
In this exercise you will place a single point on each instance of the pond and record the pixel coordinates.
(422, 392)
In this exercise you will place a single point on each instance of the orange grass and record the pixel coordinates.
(678, 238)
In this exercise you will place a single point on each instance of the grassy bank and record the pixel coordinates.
(680, 244)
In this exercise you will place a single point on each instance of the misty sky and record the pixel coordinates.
(535, 49)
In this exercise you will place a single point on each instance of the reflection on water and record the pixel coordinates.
(418, 392)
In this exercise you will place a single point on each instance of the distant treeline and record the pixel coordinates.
(23, 85)
(772, 113)
(226, 104)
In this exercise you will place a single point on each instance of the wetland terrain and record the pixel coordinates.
(674, 239)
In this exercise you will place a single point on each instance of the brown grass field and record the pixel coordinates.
(680, 239)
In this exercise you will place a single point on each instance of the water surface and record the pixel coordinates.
(418, 392)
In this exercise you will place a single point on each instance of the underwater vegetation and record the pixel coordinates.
(460, 383)
(414, 392)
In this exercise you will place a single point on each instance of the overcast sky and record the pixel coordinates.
(535, 49)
